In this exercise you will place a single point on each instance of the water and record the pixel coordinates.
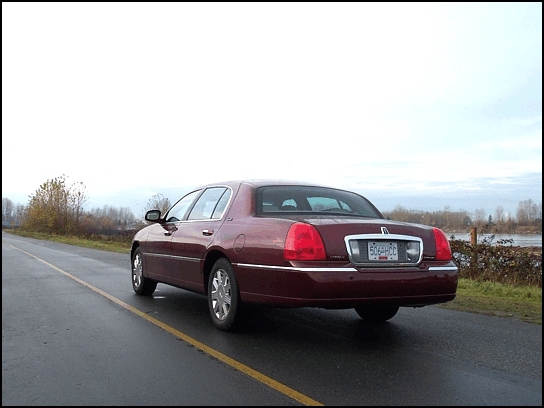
(522, 240)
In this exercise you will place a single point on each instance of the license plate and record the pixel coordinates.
(382, 251)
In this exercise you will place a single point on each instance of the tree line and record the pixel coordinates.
(528, 218)
(57, 207)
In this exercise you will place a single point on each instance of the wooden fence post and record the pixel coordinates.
(474, 236)
(474, 242)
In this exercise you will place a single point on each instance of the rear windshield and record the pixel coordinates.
(319, 200)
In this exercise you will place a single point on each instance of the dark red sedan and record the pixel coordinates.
(288, 244)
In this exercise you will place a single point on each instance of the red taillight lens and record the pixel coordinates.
(303, 243)
(443, 249)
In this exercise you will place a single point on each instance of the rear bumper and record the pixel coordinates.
(346, 287)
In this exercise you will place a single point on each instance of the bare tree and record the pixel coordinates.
(479, 215)
(7, 210)
(528, 212)
(77, 198)
(499, 214)
(158, 202)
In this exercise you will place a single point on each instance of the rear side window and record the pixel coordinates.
(314, 200)
(221, 205)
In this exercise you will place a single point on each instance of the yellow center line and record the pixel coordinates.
(283, 389)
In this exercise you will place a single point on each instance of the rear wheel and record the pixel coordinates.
(223, 297)
(376, 314)
(141, 285)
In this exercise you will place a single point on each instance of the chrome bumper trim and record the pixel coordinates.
(442, 268)
(292, 268)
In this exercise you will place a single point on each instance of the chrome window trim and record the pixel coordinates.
(206, 220)
(211, 219)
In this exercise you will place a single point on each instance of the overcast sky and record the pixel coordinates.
(423, 105)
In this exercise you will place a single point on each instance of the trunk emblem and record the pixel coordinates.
(384, 230)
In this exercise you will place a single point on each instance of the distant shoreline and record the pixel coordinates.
(532, 240)
(492, 233)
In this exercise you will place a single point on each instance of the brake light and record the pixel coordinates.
(443, 249)
(303, 243)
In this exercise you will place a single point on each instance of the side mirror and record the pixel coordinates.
(153, 215)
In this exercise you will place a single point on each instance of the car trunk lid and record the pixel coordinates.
(335, 230)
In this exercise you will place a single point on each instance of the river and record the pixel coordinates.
(523, 240)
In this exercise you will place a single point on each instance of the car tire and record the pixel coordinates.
(376, 314)
(223, 296)
(141, 285)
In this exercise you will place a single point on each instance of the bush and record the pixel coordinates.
(501, 262)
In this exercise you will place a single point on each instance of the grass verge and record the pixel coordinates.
(497, 299)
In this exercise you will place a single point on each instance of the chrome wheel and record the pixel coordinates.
(221, 294)
(137, 270)
(141, 285)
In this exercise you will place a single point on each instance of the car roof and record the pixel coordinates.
(264, 182)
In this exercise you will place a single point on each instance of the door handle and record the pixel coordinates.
(170, 230)
(207, 232)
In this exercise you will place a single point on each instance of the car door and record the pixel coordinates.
(156, 251)
(195, 234)
(159, 263)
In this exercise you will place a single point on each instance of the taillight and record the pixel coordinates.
(303, 243)
(443, 249)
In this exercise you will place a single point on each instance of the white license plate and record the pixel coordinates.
(382, 251)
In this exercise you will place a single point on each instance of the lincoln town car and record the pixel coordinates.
(291, 244)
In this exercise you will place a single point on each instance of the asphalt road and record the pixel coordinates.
(74, 333)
